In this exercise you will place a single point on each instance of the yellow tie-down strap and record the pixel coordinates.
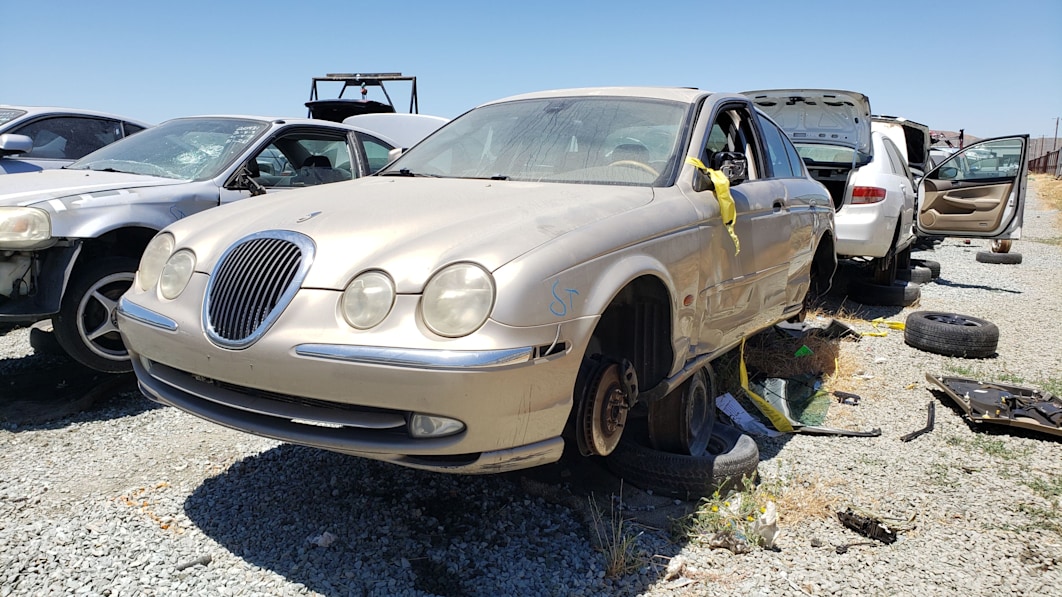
(727, 209)
(777, 417)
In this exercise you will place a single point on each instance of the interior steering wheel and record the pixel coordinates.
(634, 164)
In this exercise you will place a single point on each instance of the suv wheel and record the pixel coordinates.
(86, 326)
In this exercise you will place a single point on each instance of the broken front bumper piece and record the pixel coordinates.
(1004, 404)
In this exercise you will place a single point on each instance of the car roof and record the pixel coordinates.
(34, 111)
(283, 121)
(682, 94)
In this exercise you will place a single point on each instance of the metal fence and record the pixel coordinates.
(1047, 164)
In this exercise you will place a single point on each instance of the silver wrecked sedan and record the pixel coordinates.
(534, 271)
(70, 239)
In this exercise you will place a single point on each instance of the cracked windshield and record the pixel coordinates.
(185, 149)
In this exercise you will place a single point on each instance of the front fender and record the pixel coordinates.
(583, 290)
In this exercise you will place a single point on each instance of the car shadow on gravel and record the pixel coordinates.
(52, 391)
(344, 525)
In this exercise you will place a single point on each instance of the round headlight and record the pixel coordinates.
(176, 273)
(153, 259)
(457, 300)
(367, 300)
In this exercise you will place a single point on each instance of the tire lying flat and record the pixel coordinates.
(916, 274)
(951, 334)
(1002, 258)
(730, 456)
(934, 266)
(898, 294)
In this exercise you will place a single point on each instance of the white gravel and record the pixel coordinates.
(129, 498)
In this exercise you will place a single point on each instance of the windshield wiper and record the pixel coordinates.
(408, 172)
(493, 177)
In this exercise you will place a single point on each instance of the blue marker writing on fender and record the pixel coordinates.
(558, 307)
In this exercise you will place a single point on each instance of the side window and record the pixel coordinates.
(68, 137)
(989, 159)
(795, 163)
(304, 159)
(899, 166)
(131, 129)
(732, 131)
(777, 154)
(376, 152)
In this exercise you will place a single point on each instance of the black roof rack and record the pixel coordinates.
(339, 108)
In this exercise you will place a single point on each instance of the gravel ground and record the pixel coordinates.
(128, 498)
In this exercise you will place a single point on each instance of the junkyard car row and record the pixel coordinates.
(550, 269)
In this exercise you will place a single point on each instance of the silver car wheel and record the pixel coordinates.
(86, 326)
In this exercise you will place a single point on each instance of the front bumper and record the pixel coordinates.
(513, 400)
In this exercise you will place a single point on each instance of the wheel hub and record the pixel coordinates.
(604, 408)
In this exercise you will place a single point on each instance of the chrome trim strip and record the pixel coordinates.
(145, 316)
(417, 358)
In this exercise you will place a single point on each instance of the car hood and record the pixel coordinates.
(409, 227)
(34, 187)
(826, 116)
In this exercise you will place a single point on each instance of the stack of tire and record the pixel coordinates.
(678, 448)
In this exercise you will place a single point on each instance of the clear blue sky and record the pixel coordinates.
(990, 67)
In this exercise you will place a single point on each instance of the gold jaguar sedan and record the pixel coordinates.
(529, 275)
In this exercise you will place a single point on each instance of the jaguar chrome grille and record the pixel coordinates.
(251, 285)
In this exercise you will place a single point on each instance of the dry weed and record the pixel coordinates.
(808, 499)
(1049, 189)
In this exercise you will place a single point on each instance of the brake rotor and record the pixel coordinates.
(603, 408)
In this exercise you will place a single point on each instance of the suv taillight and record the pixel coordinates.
(867, 195)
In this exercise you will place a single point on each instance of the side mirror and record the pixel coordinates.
(732, 164)
(245, 182)
(393, 154)
(11, 144)
(948, 173)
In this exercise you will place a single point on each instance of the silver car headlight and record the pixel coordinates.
(367, 300)
(24, 227)
(176, 273)
(153, 260)
(457, 300)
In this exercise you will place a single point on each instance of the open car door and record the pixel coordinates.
(977, 192)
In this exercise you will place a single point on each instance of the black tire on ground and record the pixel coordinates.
(898, 294)
(1004, 258)
(682, 421)
(951, 334)
(85, 326)
(43, 341)
(731, 455)
(934, 266)
(916, 274)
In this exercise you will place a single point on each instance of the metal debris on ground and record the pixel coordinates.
(874, 526)
(929, 424)
(1004, 404)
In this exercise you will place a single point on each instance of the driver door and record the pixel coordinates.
(978, 192)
